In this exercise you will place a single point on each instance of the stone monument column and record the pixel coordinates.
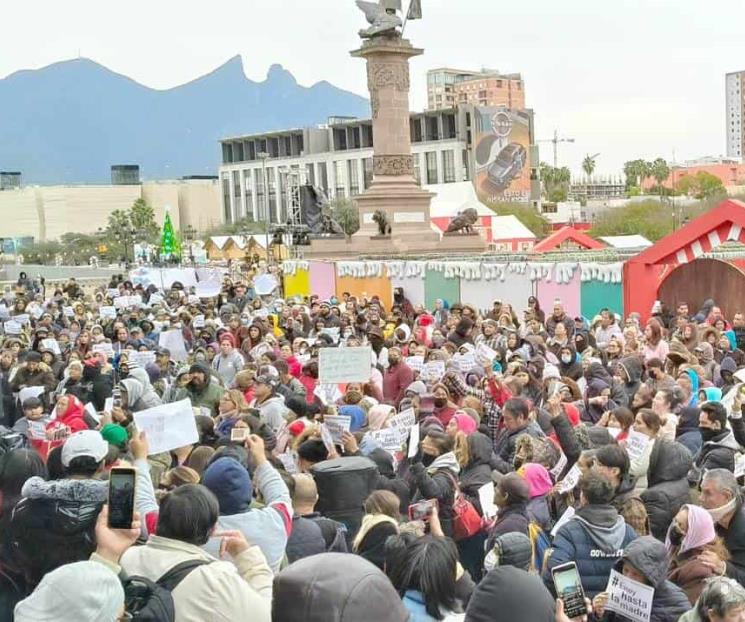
(393, 190)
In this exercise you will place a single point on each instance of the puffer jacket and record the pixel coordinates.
(595, 539)
(617, 393)
(715, 454)
(305, 540)
(54, 523)
(437, 481)
(649, 557)
(478, 470)
(667, 485)
(632, 365)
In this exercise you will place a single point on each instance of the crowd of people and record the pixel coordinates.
(487, 448)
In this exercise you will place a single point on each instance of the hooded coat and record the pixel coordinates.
(649, 557)
(595, 540)
(667, 485)
(137, 397)
(632, 367)
(507, 590)
(718, 453)
(617, 393)
(335, 587)
(478, 470)
(687, 432)
(437, 481)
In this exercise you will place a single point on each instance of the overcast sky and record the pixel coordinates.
(626, 79)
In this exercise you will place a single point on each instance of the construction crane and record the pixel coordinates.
(556, 140)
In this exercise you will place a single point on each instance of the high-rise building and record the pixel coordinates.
(735, 95)
(448, 87)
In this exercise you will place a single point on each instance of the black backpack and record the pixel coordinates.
(148, 601)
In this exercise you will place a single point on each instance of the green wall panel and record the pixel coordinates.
(597, 295)
(437, 286)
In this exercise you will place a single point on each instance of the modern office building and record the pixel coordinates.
(258, 171)
(735, 104)
(597, 188)
(448, 87)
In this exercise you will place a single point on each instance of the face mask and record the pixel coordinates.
(440, 402)
(708, 434)
(353, 397)
(719, 513)
(675, 535)
(566, 359)
(245, 321)
(427, 460)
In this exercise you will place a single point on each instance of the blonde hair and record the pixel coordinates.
(461, 450)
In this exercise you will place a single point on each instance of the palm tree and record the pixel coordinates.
(588, 164)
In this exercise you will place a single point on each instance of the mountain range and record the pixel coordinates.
(70, 121)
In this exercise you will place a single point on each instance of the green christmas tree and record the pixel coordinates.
(169, 243)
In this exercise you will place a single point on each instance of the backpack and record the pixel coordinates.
(148, 601)
(540, 543)
(10, 440)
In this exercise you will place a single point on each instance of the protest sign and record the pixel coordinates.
(484, 354)
(486, 498)
(739, 465)
(141, 358)
(570, 480)
(466, 362)
(91, 410)
(413, 440)
(108, 312)
(168, 426)
(337, 425)
(108, 404)
(636, 444)
(209, 288)
(288, 461)
(112, 293)
(560, 466)
(416, 363)
(12, 327)
(155, 299)
(23, 318)
(37, 312)
(51, 344)
(198, 321)
(388, 438)
(192, 299)
(327, 393)
(337, 365)
(327, 438)
(28, 392)
(173, 341)
(629, 598)
(563, 520)
(37, 430)
(104, 348)
(4, 312)
(265, 284)
(333, 332)
(434, 370)
(404, 419)
(68, 311)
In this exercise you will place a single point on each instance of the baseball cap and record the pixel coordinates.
(85, 443)
(266, 379)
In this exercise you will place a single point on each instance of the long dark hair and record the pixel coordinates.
(428, 565)
(15, 468)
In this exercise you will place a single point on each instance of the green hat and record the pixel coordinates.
(115, 434)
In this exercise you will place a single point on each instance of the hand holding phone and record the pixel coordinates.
(239, 434)
(121, 497)
(568, 586)
(422, 510)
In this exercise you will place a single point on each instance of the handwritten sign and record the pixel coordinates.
(416, 363)
(636, 444)
(434, 370)
(631, 599)
(68, 311)
(559, 466)
(413, 440)
(198, 321)
(466, 362)
(288, 461)
(141, 358)
(37, 430)
(570, 480)
(484, 354)
(104, 348)
(337, 365)
(168, 426)
(23, 318)
(12, 327)
(337, 425)
(124, 302)
(388, 438)
(327, 393)
(108, 312)
(51, 344)
(486, 499)
(404, 419)
(173, 341)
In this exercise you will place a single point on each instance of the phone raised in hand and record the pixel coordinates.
(422, 510)
(568, 586)
(239, 435)
(122, 483)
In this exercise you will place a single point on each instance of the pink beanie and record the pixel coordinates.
(465, 423)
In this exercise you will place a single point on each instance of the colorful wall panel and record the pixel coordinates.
(369, 286)
(413, 288)
(568, 293)
(322, 279)
(596, 295)
(297, 284)
(437, 286)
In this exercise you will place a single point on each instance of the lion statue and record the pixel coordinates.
(464, 221)
(381, 219)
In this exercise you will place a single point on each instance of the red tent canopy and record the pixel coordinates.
(643, 273)
(567, 234)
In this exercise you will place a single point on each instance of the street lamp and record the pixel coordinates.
(264, 156)
(190, 234)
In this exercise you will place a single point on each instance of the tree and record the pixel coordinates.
(239, 227)
(659, 170)
(636, 171)
(534, 221)
(555, 181)
(702, 185)
(649, 218)
(169, 243)
(142, 217)
(347, 214)
(588, 165)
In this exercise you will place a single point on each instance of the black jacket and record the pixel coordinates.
(478, 470)
(649, 557)
(54, 523)
(734, 540)
(667, 485)
(441, 486)
(718, 453)
(306, 539)
(512, 518)
(334, 533)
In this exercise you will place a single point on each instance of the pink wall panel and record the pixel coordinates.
(569, 293)
(322, 279)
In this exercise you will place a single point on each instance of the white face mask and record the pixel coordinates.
(719, 513)
(566, 359)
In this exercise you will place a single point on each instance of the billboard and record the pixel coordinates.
(501, 153)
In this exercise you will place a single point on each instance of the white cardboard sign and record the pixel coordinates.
(337, 425)
(404, 419)
(636, 443)
(168, 426)
(339, 365)
(631, 599)
(571, 479)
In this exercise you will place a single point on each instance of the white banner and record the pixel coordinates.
(339, 365)
(168, 426)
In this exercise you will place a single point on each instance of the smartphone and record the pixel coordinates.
(121, 497)
(116, 394)
(239, 434)
(421, 510)
(569, 588)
